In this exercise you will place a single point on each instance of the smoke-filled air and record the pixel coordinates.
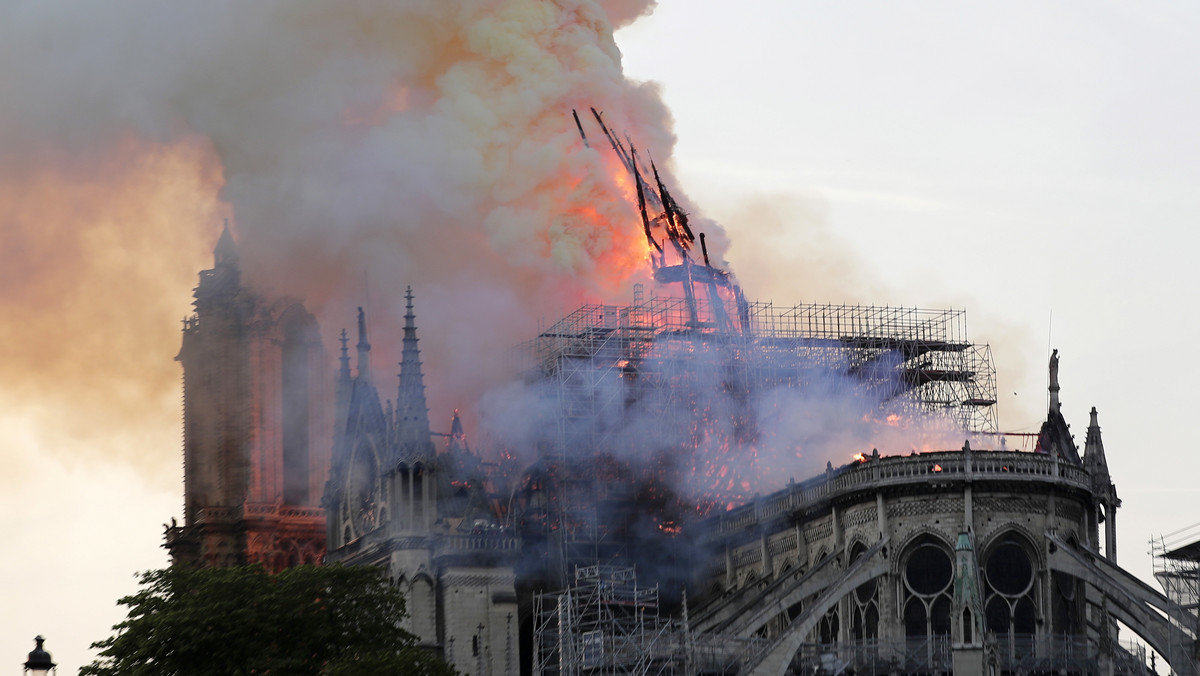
(355, 149)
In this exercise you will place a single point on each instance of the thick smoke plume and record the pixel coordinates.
(357, 147)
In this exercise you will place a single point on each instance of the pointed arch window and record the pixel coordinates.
(1010, 603)
(926, 590)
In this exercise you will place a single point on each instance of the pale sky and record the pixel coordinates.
(1036, 163)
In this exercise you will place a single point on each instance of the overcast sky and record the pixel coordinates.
(1035, 163)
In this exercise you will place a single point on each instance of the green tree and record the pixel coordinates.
(320, 620)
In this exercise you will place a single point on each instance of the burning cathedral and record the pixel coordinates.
(638, 540)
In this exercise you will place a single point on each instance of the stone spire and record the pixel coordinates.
(966, 611)
(412, 413)
(364, 348)
(344, 359)
(1104, 491)
(344, 388)
(967, 607)
(1093, 450)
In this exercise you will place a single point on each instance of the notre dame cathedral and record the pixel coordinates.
(980, 560)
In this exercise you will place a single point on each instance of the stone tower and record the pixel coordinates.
(256, 433)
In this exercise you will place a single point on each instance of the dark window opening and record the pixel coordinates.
(929, 570)
(829, 627)
(1009, 570)
(914, 619)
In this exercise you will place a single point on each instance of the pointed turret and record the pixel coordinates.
(968, 599)
(966, 613)
(220, 286)
(225, 253)
(1104, 492)
(412, 413)
(364, 347)
(1093, 450)
(344, 388)
(344, 359)
(457, 441)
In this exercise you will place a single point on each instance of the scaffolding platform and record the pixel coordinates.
(663, 351)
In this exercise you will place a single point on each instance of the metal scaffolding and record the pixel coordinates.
(655, 353)
(1177, 569)
(602, 624)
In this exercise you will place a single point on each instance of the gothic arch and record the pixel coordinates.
(862, 605)
(1011, 567)
(814, 609)
(921, 533)
(422, 605)
(296, 323)
(822, 552)
(924, 574)
(1018, 530)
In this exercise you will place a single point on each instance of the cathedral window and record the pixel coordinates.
(926, 590)
(1010, 604)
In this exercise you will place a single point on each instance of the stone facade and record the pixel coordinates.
(965, 562)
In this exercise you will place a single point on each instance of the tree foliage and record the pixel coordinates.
(319, 620)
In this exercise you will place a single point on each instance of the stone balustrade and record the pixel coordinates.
(880, 472)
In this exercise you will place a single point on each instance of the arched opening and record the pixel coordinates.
(1066, 602)
(1010, 599)
(362, 489)
(927, 577)
(1010, 593)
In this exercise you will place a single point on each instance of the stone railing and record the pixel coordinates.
(889, 471)
(217, 515)
(286, 511)
(447, 544)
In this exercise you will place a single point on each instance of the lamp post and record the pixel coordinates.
(39, 662)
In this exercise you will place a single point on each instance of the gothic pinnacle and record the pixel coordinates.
(364, 348)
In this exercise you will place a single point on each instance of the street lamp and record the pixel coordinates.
(39, 662)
